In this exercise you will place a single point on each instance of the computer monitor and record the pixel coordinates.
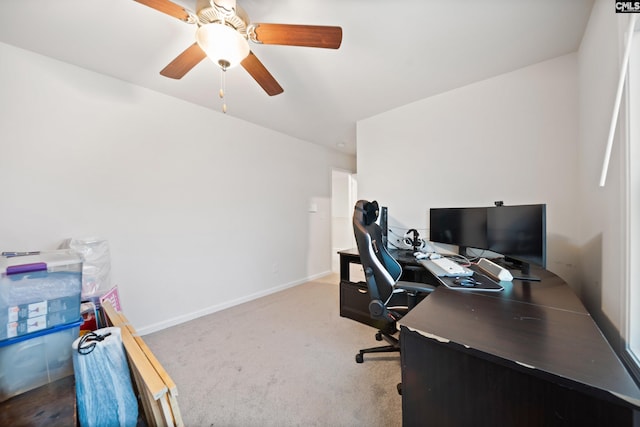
(462, 227)
(519, 233)
(516, 232)
(384, 220)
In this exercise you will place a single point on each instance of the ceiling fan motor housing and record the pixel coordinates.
(211, 12)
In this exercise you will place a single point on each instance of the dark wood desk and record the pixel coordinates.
(530, 355)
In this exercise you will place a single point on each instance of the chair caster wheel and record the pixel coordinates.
(359, 358)
(378, 336)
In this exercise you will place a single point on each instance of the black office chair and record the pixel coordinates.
(390, 299)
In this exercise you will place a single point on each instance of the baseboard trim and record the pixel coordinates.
(227, 304)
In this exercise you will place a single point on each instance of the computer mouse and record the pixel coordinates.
(464, 281)
(420, 255)
(434, 256)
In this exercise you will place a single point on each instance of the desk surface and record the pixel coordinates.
(540, 326)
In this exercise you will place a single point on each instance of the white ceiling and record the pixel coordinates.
(393, 52)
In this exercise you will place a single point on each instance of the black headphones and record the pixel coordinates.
(414, 241)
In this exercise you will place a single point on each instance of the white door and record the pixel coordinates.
(343, 198)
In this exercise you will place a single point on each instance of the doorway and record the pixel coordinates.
(344, 193)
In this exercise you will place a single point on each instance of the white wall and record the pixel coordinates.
(601, 210)
(201, 210)
(511, 138)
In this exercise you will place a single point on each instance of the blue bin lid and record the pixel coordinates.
(41, 332)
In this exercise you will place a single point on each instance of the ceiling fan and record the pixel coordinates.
(223, 33)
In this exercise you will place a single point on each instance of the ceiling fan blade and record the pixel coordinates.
(165, 6)
(184, 62)
(260, 74)
(299, 35)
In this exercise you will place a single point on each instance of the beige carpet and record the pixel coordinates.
(287, 359)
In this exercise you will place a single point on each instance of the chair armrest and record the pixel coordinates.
(415, 287)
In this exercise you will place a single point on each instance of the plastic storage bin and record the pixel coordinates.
(36, 359)
(39, 292)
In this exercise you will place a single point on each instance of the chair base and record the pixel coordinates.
(394, 346)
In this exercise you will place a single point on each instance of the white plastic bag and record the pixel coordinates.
(96, 264)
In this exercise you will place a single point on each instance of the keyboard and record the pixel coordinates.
(451, 268)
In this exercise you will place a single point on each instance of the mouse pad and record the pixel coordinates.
(477, 282)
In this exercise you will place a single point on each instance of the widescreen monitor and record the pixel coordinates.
(516, 232)
(462, 227)
(519, 233)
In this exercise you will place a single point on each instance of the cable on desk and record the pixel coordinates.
(474, 257)
(460, 259)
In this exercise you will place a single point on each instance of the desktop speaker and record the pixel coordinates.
(494, 270)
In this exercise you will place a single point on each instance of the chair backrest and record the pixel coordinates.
(384, 271)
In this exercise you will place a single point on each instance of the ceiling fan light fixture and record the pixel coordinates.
(223, 44)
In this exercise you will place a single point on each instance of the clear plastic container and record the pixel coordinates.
(36, 359)
(45, 284)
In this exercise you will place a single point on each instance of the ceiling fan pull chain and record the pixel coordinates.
(222, 88)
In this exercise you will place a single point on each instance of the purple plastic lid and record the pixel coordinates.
(27, 268)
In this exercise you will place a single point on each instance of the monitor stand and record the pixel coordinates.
(520, 270)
